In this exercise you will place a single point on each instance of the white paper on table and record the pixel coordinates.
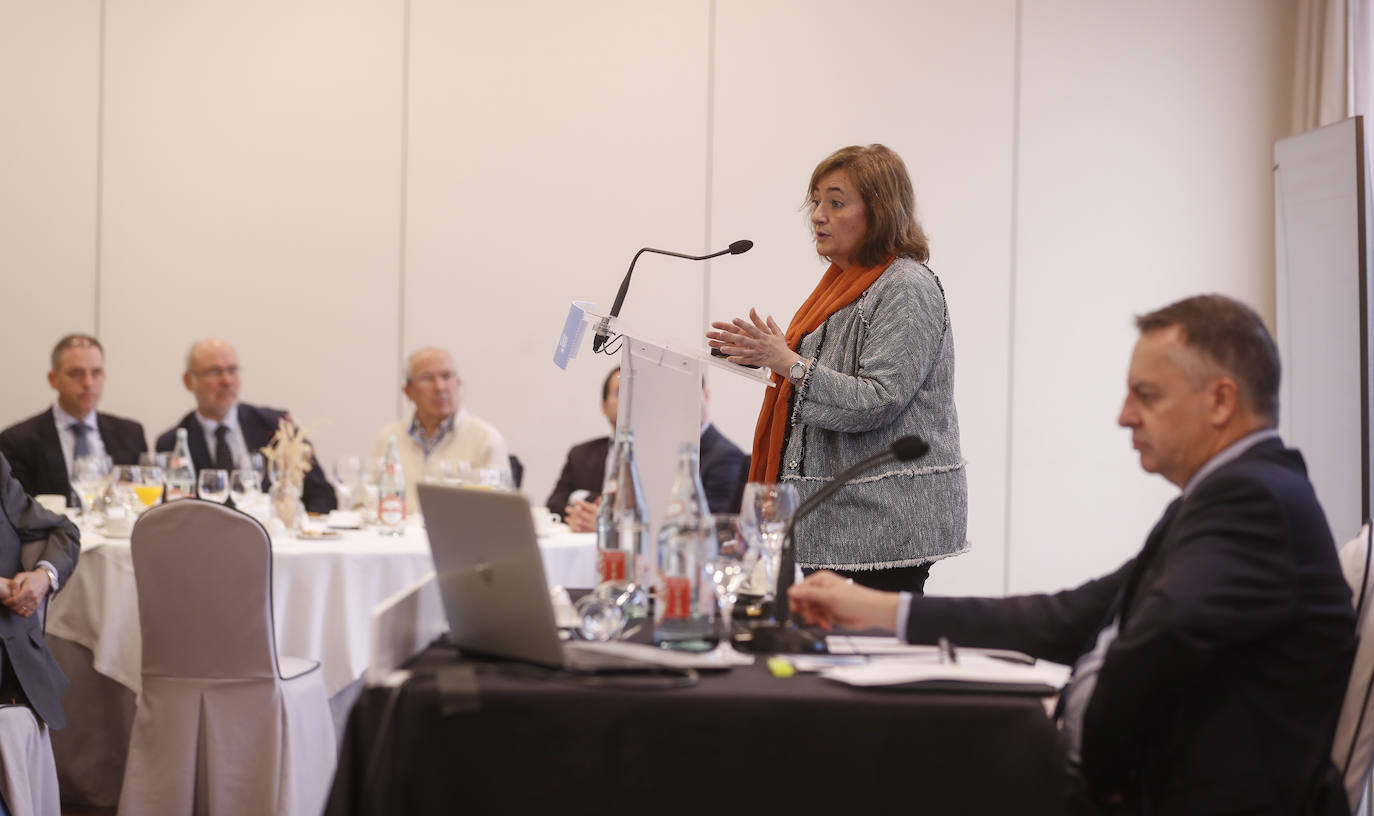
(875, 645)
(643, 652)
(973, 672)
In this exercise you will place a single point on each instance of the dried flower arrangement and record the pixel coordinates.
(289, 455)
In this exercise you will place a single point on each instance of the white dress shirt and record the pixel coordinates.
(67, 436)
(238, 446)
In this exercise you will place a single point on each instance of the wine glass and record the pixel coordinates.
(148, 485)
(89, 475)
(733, 563)
(214, 485)
(764, 515)
(348, 472)
(244, 486)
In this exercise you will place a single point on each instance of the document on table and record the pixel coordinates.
(874, 645)
(972, 672)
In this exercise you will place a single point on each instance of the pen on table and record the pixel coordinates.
(947, 653)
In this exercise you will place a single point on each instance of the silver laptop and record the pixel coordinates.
(491, 579)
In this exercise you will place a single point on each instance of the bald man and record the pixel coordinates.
(439, 430)
(224, 432)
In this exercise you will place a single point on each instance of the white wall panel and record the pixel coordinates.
(932, 80)
(252, 190)
(547, 143)
(1145, 177)
(49, 93)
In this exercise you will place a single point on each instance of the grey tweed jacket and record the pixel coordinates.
(884, 368)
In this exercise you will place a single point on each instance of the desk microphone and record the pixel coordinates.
(906, 449)
(602, 329)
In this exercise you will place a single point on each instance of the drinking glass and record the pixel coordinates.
(733, 563)
(495, 478)
(763, 518)
(89, 475)
(214, 485)
(258, 464)
(154, 459)
(244, 486)
(148, 485)
(348, 473)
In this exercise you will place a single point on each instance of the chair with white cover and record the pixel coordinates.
(223, 725)
(1352, 751)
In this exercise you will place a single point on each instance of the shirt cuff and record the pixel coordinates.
(52, 575)
(903, 610)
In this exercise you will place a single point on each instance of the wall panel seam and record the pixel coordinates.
(1011, 297)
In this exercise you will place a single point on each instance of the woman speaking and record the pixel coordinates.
(867, 359)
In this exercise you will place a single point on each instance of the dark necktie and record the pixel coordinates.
(223, 458)
(83, 445)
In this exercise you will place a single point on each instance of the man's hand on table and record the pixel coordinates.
(23, 593)
(580, 515)
(826, 600)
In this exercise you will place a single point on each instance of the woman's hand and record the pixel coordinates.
(754, 341)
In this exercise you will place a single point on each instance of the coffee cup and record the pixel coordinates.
(545, 522)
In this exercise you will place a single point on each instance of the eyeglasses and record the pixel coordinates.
(432, 378)
(215, 372)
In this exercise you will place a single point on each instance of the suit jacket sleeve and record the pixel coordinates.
(1055, 627)
(33, 523)
(1228, 579)
(12, 447)
(558, 499)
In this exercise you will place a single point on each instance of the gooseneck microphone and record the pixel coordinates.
(602, 330)
(906, 449)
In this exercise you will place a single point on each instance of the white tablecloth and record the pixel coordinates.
(323, 592)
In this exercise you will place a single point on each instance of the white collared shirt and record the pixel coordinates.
(67, 437)
(238, 446)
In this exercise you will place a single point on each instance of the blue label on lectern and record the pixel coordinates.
(571, 339)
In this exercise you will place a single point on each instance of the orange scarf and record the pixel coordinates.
(836, 290)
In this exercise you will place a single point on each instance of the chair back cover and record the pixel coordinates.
(204, 578)
(1353, 749)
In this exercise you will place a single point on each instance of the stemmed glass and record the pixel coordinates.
(733, 563)
(89, 474)
(244, 486)
(348, 473)
(764, 515)
(214, 485)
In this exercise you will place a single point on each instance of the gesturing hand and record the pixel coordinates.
(756, 341)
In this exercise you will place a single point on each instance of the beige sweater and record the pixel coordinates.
(473, 440)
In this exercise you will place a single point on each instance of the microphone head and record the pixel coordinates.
(910, 447)
(741, 247)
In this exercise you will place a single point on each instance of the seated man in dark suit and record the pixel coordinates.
(577, 494)
(29, 676)
(1209, 670)
(41, 449)
(223, 432)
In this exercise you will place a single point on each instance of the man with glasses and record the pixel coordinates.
(440, 430)
(223, 432)
(1208, 670)
(43, 448)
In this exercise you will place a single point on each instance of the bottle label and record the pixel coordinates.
(391, 510)
(610, 565)
(677, 591)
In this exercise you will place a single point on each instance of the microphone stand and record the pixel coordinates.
(782, 634)
(603, 328)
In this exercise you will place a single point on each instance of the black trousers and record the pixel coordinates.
(897, 579)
